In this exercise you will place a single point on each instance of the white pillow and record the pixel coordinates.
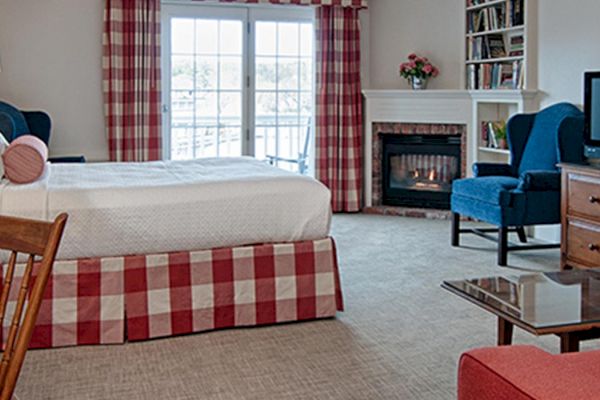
(3, 146)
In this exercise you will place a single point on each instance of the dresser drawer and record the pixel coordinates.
(583, 242)
(584, 195)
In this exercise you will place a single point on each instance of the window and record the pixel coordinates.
(238, 81)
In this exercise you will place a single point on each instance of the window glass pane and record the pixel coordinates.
(266, 38)
(206, 108)
(231, 73)
(230, 33)
(266, 73)
(207, 36)
(182, 36)
(230, 108)
(306, 40)
(182, 72)
(266, 108)
(181, 138)
(206, 72)
(288, 108)
(230, 143)
(182, 107)
(306, 74)
(206, 140)
(288, 35)
(288, 73)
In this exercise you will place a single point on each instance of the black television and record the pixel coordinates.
(592, 113)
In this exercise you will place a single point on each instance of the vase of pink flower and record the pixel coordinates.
(417, 70)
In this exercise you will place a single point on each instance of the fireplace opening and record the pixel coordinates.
(418, 170)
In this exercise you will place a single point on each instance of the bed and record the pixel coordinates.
(174, 247)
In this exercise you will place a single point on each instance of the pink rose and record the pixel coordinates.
(435, 72)
(412, 56)
(428, 69)
(412, 64)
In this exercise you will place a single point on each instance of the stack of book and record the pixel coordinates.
(489, 132)
(516, 46)
(495, 76)
(514, 12)
(486, 19)
(486, 47)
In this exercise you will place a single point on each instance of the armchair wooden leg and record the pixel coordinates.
(455, 230)
(502, 246)
(522, 234)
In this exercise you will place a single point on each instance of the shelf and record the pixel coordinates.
(495, 151)
(495, 60)
(486, 4)
(502, 30)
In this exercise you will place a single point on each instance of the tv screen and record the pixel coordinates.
(592, 108)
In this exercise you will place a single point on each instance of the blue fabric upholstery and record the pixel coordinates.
(12, 123)
(526, 192)
(15, 123)
(489, 169)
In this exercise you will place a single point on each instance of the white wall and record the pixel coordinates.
(50, 54)
(569, 44)
(432, 28)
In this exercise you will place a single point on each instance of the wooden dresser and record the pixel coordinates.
(580, 242)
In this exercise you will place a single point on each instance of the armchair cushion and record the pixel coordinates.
(491, 169)
(540, 181)
(488, 189)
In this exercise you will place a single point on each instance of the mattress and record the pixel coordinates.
(118, 209)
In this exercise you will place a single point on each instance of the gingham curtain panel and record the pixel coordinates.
(131, 79)
(339, 106)
(340, 3)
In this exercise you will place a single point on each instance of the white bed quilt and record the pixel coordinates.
(145, 208)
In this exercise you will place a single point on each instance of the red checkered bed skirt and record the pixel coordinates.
(113, 299)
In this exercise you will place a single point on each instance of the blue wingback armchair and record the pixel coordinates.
(526, 191)
(15, 123)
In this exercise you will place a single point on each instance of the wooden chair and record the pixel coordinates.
(34, 238)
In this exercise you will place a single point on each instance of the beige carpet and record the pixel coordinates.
(399, 338)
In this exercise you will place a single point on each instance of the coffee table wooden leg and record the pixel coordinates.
(569, 343)
(505, 332)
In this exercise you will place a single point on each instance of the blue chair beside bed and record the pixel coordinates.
(527, 191)
(15, 123)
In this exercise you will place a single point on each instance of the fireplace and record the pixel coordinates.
(418, 170)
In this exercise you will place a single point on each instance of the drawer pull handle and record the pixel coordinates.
(594, 199)
(593, 247)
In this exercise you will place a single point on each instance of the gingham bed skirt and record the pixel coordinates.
(114, 299)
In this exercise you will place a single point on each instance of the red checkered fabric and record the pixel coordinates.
(197, 291)
(339, 106)
(341, 3)
(83, 303)
(131, 79)
(95, 301)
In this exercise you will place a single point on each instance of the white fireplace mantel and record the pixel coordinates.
(408, 106)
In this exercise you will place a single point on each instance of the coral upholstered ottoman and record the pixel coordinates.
(526, 373)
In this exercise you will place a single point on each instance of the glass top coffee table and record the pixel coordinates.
(566, 304)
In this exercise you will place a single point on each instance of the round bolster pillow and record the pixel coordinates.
(25, 159)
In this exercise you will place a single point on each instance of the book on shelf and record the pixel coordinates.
(486, 19)
(489, 76)
(489, 134)
(497, 16)
(516, 45)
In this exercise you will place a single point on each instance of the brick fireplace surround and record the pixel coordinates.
(403, 128)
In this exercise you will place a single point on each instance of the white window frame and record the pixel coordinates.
(249, 15)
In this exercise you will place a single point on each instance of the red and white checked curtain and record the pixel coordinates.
(131, 79)
(339, 106)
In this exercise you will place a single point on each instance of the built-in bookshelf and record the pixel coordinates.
(498, 50)
(491, 111)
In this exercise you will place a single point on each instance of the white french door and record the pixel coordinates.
(237, 81)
